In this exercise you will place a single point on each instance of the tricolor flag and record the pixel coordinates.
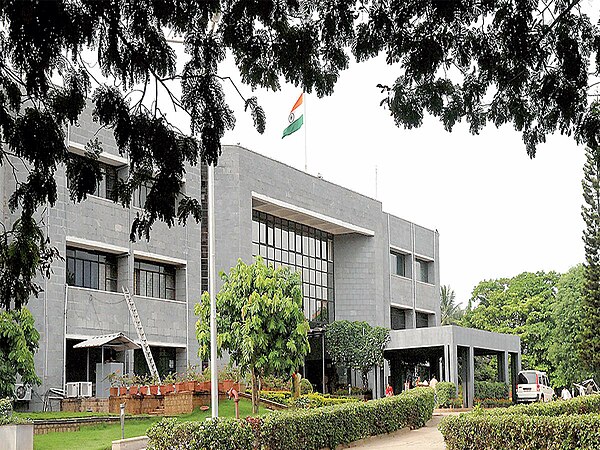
(296, 118)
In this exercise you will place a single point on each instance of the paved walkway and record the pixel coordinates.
(426, 438)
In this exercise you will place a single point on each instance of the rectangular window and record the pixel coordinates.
(93, 270)
(422, 320)
(424, 271)
(141, 194)
(105, 188)
(154, 280)
(398, 319)
(398, 264)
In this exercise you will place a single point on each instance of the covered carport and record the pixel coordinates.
(442, 348)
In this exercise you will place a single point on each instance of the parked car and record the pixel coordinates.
(533, 386)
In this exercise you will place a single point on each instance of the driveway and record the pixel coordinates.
(426, 438)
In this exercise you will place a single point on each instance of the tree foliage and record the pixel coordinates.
(518, 305)
(450, 311)
(356, 345)
(260, 322)
(590, 338)
(18, 341)
(566, 310)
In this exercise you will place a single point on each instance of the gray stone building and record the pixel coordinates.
(357, 263)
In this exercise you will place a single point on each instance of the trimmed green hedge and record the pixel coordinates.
(560, 424)
(307, 429)
(578, 405)
(316, 400)
(221, 434)
(313, 429)
(445, 394)
(521, 432)
(491, 389)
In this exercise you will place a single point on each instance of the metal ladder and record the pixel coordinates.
(140, 331)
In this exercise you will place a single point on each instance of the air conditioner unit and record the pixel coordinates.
(72, 390)
(85, 388)
(22, 392)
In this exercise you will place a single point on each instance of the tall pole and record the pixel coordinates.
(305, 133)
(214, 383)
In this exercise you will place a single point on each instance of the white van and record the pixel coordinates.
(533, 386)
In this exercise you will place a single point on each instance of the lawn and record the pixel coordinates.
(100, 437)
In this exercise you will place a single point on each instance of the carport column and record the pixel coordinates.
(515, 363)
(503, 367)
(446, 374)
(470, 377)
(453, 350)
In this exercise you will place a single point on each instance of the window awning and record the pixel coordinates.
(116, 341)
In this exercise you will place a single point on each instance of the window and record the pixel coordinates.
(92, 270)
(398, 264)
(398, 318)
(154, 280)
(424, 271)
(303, 249)
(422, 320)
(105, 188)
(141, 194)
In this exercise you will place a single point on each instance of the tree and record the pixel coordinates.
(590, 339)
(18, 340)
(356, 345)
(260, 322)
(567, 316)
(450, 311)
(518, 305)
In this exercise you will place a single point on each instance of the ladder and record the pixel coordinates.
(140, 331)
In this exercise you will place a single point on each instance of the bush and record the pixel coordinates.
(354, 390)
(316, 400)
(6, 407)
(276, 396)
(305, 386)
(313, 429)
(493, 402)
(6, 415)
(491, 389)
(578, 405)
(445, 394)
(220, 433)
(476, 431)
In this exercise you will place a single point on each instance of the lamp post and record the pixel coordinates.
(214, 382)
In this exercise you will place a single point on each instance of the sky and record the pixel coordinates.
(498, 212)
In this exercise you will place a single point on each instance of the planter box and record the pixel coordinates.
(133, 390)
(123, 390)
(16, 437)
(114, 391)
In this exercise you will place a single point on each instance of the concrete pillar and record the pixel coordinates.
(453, 359)
(470, 378)
(446, 376)
(515, 365)
(503, 367)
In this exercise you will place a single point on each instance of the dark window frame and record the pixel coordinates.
(159, 275)
(91, 269)
(395, 257)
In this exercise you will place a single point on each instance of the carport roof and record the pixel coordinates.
(452, 334)
(117, 341)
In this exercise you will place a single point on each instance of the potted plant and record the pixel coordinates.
(153, 386)
(115, 381)
(228, 376)
(168, 384)
(134, 382)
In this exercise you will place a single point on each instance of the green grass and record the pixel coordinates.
(100, 437)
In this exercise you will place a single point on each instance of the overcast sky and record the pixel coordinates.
(498, 212)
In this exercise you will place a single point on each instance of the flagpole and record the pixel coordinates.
(305, 133)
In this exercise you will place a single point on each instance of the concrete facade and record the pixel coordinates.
(98, 224)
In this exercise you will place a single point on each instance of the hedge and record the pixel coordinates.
(578, 405)
(316, 400)
(491, 389)
(477, 431)
(214, 434)
(445, 394)
(313, 429)
(309, 429)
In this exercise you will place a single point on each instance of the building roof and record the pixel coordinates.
(117, 341)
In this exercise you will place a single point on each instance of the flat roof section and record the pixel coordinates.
(284, 210)
(452, 334)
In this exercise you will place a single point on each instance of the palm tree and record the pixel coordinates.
(451, 312)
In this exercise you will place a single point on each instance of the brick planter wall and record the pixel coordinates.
(174, 403)
(84, 405)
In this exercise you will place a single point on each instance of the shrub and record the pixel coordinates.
(445, 394)
(340, 424)
(354, 390)
(6, 415)
(276, 396)
(5, 407)
(305, 386)
(578, 405)
(476, 431)
(272, 383)
(491, 389)
(493, 402)
(316, 400)
(220, 433)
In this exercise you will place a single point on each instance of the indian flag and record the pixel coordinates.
(296, 118)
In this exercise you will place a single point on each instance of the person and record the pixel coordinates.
(433, 382)
(389, 390)
(565, 394)
(407, 384)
